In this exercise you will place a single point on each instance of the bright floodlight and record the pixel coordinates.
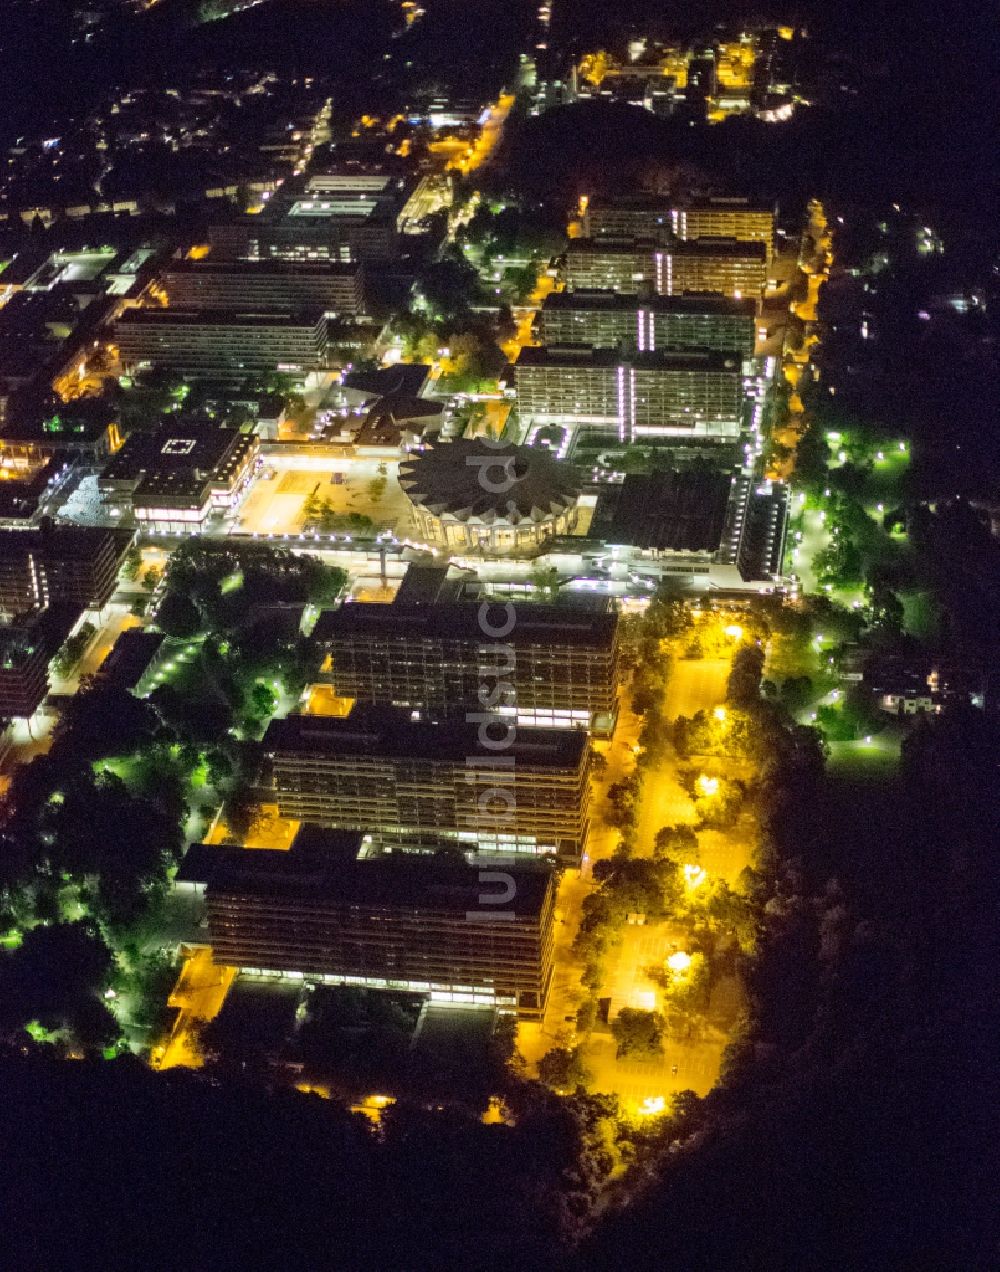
(694, 876)
(679, 962)
(707, 785)
(734, 630)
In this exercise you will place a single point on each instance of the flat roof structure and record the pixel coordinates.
(174, 449)
(688, 303)
(130, 657)
(460, 620)
(398, 880)
(678, 511)
(583, 355)
(221, 318)
(393, 735)
(470, 480)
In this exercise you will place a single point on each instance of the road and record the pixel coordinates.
(118, 619)
(694, 685)
(200, 991)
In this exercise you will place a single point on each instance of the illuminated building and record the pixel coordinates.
(694, 392)
(725, 266)
(469, 494)
(508, 789)
(179, 476)
(265, 285)
(222, 343)
(56, 565)
(610, 320)
(648, 217)
(27, 645)
(338, 216)
(561, 665)
(717, 529)
(403, 923)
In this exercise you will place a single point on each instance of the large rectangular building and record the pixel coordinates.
(612, 320)
(692, 393)
(222, 343)
(58, 565)
(346, 217)
(650, 217)
(175, 478)
(557, 667)
(399, 922)
(700, 525)
(723, 266)
(265, 285)
(490, 786)
(26, 648)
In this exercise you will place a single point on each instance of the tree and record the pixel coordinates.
(678, 843)
(56, 977)
(638, 1032)
(717, 801)
(743, 685)
(563, 1069)
(132, 563)
(117, 844)
(73, 648)
(622, 800)
(178, 615)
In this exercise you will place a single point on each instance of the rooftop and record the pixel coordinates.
(393, 735)
(220, 318)
(678, 511)
(473, 480)
(576, 355)
(395, 881)
(406, 378)
(689, 303)
(545, 625)
(177, 450)
(130, 655)
(60, 543)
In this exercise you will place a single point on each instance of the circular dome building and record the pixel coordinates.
(474, 494)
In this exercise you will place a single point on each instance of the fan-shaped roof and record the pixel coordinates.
(473, 480)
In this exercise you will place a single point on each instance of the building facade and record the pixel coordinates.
(721, 266)
(607, 320)
(475, 495)
(221, 343)
(55, 565)
(650, 217)
(558, 668)
(499, 789)
(346, 217)
(265, 285)
(178, 477)
(695, 393)
(397, 922)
